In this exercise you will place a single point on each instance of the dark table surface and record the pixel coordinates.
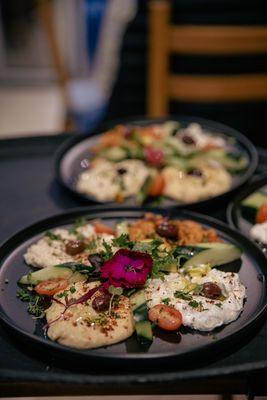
(28, 193)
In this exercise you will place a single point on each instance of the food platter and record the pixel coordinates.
(73, 158)
(241, 215)
(166, 347)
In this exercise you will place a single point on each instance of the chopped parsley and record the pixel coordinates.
(63, 294)
(52, 236)
(72, 289)
(166, 301)
(193, 304)
(218, 305)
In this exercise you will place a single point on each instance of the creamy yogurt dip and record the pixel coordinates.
(259, 232)
(200, 312)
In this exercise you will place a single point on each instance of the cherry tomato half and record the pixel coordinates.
(51, 286)
(262, 214)
(153, 156)
(165, 317)
(102, 228)
(157, 186)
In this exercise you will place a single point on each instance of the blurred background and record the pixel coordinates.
(68, 65)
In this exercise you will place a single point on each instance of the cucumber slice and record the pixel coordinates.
(175, 161)
(178, 146)
(137, 299)
(255, 200)
(143, 193)
(144, 331)
(51, 273)
(214, 254)
(114, 153)
(141, 313)
(234, 162)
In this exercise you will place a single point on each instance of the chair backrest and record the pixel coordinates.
(166, 38)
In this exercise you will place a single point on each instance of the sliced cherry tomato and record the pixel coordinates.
(165, 317)
(102, 228)
(157, 186)
(262, 214)
(153, 156)
(51, 286)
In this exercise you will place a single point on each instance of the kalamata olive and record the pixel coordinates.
(188, 140)
(211, 290)
(167, 230)
(101, 302)
(74, 247)
(121, 171)
(96, 260)
(194, 172)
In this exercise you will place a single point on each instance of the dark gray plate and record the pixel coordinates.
(185, 345)
(71, 159)
(236, 215)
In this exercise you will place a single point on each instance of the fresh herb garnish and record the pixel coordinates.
(107, 253)
(114, 291)
(166, 301)
(182, 295)
(123, 242)
(92, 245)
(72, 289)
(23, 295)
(193, 303)
(77, 224)
(218, 305)
(197, 289)
(52, 236)
(36, 308)
(37, 304)
(63, 294)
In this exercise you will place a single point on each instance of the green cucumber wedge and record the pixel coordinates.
(144, 331)
(137, 299)
(51, 273)
(255, 200)
(214, 254)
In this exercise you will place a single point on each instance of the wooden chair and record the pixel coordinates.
(165, 38)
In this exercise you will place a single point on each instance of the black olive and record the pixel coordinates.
(188, 140)
(167, 230)
(121, 171)
(195, 172)
(74, 247)
(211, 290)
(101, 302)
(96, 260)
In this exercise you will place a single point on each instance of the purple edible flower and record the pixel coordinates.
(127, 269)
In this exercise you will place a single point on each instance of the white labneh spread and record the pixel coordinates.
(200, 312)
(259, 232)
